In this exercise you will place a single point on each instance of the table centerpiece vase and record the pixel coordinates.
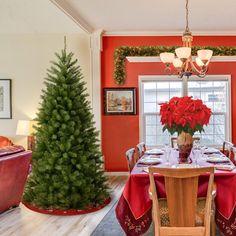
(185, 144)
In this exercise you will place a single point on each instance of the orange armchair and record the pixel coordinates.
(4, 141)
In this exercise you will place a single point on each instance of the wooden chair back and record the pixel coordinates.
(226, 148)
(130, 157)
(174, 141)
(181, 187)
(233, 155)
(141, 147)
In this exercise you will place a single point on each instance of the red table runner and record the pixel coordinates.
(134, 207)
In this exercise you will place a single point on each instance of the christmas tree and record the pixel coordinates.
(66, 165)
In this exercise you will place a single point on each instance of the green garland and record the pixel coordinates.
(124, 51)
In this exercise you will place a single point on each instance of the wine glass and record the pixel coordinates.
(195, 156)
(167, 153)
(197, 144)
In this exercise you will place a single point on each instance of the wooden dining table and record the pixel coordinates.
(134, 207)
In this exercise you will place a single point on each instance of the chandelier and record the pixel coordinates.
(183, 62)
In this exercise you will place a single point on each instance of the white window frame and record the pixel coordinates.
(153, 78)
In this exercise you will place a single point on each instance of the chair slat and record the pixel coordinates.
(181, 189)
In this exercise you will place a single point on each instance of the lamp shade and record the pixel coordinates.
(183, 52)
(199, 62)
(205, 55)
(177, 63)
(25, 127)
(167, 57)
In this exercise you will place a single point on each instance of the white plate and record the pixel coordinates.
(154, 151)
(217, 158)
(211, 150)
(149, 161)
(224, 167)
(151, 157)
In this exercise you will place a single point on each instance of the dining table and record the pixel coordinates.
(134, 208)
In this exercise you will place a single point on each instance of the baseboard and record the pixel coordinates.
(116, 173)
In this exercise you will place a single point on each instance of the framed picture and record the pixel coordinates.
(120, 101)
(5, 99)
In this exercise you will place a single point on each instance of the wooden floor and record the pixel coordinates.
(24, 222)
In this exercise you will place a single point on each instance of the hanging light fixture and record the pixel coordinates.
(183, 61)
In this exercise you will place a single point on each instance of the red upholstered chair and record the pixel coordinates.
(4, 141)
(14, 169)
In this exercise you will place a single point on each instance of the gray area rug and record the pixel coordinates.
(110, 226)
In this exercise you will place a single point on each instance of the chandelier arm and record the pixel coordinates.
(200, 73)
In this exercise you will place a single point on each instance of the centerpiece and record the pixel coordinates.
(184, 116)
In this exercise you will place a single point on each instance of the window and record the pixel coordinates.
(213, 90)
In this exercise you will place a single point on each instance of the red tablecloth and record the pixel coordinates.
(134, 207)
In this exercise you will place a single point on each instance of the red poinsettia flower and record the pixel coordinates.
(184, 114)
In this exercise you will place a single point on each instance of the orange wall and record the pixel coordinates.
(120, 133)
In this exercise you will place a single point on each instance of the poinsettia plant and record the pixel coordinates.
(184, 114)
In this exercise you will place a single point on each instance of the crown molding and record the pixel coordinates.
(168, 33)
(70, 12)
(157, 59)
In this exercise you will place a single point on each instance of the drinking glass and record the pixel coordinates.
(196, 144)
(195, 156)
(167, 153)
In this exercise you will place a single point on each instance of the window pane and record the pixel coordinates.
(151, 130)
(151, 140)
(150, 95)
(220, 129)
(150, 107)
(151, 120)
(163, 139)
(208, 129)
(159, 129)
(219, 119)
(194, 89)
(218, 139)
(149, 85)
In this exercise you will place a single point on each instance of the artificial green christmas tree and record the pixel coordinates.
(67, 168)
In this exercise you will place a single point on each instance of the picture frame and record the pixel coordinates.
(119, 101)
(5, 99)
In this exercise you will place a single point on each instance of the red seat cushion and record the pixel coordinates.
(4, 141)
(11, 150)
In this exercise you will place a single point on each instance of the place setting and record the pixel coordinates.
(149, 160)
(220, 161)
(154, 151)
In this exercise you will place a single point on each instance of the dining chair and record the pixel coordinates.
(226, 148)
(233, 155)
(181, 213)
(130, 158)
(174, 141)
(141, 148)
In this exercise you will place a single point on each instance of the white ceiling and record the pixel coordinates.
(34, 16)
(161, 17)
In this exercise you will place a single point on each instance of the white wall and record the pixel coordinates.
(25, 59)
